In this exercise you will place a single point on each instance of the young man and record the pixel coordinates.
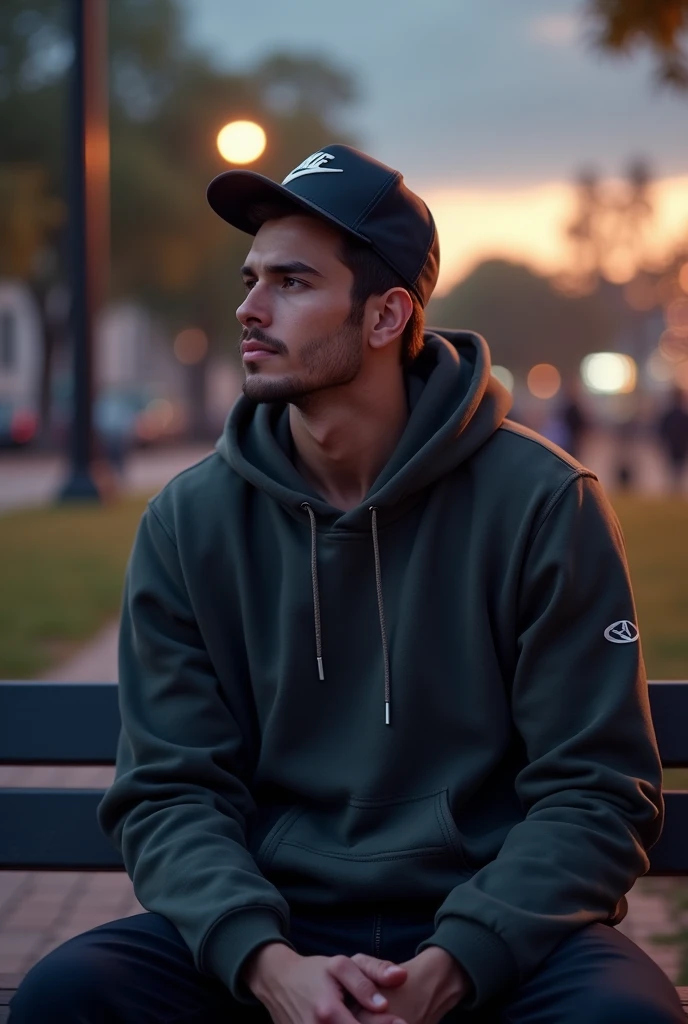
(382, 699)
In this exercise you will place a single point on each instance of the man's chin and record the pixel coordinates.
(260, 388)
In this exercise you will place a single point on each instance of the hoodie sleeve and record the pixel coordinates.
(178, 806)
(590, 791)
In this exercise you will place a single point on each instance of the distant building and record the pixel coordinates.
(133, 362)
(20, 346)
(132, 350)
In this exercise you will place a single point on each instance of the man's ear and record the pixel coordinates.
(391, 312)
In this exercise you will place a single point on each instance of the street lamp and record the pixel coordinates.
(241, 142)
(89, 161)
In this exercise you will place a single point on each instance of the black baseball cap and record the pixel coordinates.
(361, 196)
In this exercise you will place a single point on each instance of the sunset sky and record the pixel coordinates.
(488, 107)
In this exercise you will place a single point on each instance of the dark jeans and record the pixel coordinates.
(139, 971)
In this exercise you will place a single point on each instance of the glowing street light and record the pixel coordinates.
(683, 277)
(191, 346)
(241, 142)
(544, 380)
(609, 373)
(504, 376)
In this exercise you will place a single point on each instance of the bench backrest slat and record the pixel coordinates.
(78, 724)
(669, 707)
(58, 723)
(56, 829)
(53, 830)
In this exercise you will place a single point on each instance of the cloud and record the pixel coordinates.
(555, 29)
(528, 224)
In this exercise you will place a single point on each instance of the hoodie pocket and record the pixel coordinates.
(366, 845)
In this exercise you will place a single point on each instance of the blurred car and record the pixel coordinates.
(18, 424)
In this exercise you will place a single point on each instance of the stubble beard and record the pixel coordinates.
(329, 361)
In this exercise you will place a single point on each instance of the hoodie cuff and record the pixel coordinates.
(485, 958)
(231, 941)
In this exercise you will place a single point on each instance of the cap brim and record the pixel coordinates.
(236, 197)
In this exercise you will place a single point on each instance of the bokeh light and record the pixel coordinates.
(620, 266)
(544, 380)
(681, 376)
(674, 346)
(683, 277)
(668, 289)
(191, 346)
(609, 373)
(659, 368)
(504, 376)
(241, 142)
(641, 294)
(677, 316)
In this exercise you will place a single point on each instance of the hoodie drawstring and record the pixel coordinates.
(381, 612)
(316, 590)
(380, 602)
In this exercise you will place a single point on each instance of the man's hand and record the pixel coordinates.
(435, 984)
(312, 989)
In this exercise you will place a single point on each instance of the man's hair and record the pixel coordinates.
(372, 276)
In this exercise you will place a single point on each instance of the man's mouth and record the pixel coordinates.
(256, 350)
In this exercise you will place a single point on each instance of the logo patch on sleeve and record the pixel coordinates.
(621, 632)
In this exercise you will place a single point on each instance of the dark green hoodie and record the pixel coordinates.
(516, 787)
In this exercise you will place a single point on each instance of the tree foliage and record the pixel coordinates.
(524, 318)
(610, 227)
(167, 104)
(621, 26)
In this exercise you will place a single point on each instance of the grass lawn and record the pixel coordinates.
(62, 571)
(656, 532)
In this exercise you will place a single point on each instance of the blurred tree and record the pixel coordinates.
(620, 26)
(34, 54)
(609, 228)
(524, 318)
(168, 103)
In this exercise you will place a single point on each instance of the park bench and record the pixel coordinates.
(78, 723)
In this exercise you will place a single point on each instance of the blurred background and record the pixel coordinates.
(555, 168)
(549, 139)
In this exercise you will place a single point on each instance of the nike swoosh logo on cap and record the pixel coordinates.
(313, 165)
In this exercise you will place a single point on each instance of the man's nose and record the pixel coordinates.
(253, 311)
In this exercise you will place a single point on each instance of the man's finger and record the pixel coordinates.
(382, 972)
(365, 1017)
(354, 981)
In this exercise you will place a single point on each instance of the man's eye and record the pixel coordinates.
(291, 282)
(248, 284)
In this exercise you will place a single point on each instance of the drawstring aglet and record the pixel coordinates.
(321, 671)
(387, 711)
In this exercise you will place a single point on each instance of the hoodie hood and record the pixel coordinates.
(455, 406)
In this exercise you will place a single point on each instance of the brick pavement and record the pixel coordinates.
(39, 910)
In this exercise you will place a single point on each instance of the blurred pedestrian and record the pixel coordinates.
(624, 471)
(575, 423)
(114, 421)
(673, 436)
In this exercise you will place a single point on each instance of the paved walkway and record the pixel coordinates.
(31, 479)
(39, 910)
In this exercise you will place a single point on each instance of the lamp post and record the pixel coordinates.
(89, 161)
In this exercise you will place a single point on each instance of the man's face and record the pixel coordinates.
(297, 337)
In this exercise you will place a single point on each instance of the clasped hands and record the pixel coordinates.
(344, 990)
